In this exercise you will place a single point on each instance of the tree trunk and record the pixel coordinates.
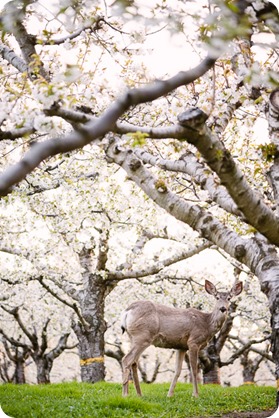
(91, 336)
(90, 333)
(210, 359)
(272, 289)
(19, 374)
(91, 352)
(248, 372)
(213, 376)
(275, 338)
(43, 370)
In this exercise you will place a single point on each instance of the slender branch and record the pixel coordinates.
(44, 340)
(70, 305)
(13, 341)
(95, 25)
(17, 133)
(242, 350)
(14, 312)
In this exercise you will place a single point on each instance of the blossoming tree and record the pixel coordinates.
(78, 81)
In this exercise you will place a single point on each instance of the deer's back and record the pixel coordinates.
(165, 326)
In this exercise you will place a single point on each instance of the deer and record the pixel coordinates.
(148, 323)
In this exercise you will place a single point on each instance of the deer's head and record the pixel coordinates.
(223, 299)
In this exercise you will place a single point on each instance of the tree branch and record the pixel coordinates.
(59, 348)
(156, 267)
(189, 164)
(242, 350)
(99, 127)
(14, 312)
(18, 63)
(70, 305)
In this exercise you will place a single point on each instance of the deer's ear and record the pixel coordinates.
(237, 289)
(210, 288)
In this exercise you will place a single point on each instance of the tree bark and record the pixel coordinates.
(250, 367)
(90, 334)
(275, 337)
(91, 353)
(272, 288)
(19, 374)
(43, 369)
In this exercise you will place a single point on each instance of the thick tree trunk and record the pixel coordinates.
(19, 374)
(248, 371)
(91, 342)
(269, 277)
(90, 334)
(213, 376)
(210, 359)
(275, 338)
(250, 367)
(271, 286)
(91, 352)
(43, 370)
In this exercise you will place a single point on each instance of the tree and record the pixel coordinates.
(234, 191)
(99, 279)
(36, 346)
(15, 358)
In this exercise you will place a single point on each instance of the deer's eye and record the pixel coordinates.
(217, 297)
(229, 297)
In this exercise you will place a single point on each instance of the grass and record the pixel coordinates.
(76, 400)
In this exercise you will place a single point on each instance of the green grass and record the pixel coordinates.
(73, 400)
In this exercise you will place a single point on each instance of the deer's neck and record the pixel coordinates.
(217, 319)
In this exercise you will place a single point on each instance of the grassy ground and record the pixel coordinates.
(104, 400)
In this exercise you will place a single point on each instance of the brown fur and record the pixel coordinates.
(148, 323)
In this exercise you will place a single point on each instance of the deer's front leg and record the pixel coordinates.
(180, 355)
(193, 358)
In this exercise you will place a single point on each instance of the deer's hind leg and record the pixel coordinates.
(136, 378)
(129, 362)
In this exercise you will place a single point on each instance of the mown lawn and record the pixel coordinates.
(105, 400)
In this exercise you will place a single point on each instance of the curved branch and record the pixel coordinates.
(157, 267)
(94, 26)
(14, 312)
(100, 126)
(59, 348)
(10, 56)
(242, 350)
(222, 163)
(70, 305)
(189, 164)
(255, 253)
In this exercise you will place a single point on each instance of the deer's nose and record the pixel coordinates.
(223, 309)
